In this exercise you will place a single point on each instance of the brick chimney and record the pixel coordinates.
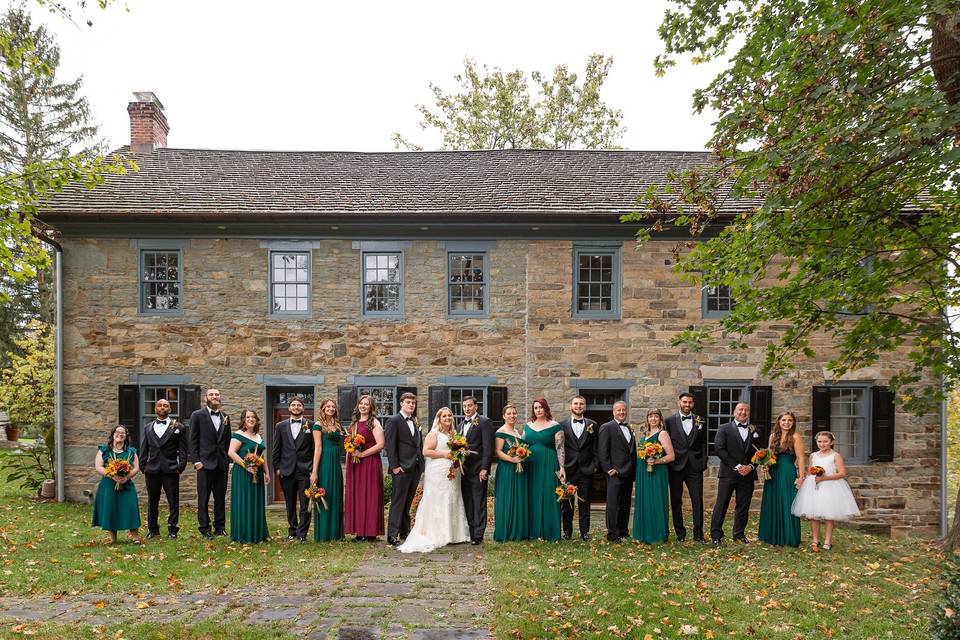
(148, 125)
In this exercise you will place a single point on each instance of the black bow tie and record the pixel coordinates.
(686, 417)
(215, 413)
(163, 422)
(578, 422)
(623, 424)
(741, 426)
(296, 421)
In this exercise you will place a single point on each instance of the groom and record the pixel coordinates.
(478, 432)
(404, 445)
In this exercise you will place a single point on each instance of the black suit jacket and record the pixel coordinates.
(580, 453)
(291, 455)
(733, 451)
(480, 439)
(613, 452)
(166, 453)
(403, 450)
(690, 450)
(207, 445)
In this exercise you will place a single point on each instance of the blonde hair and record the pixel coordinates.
(333, 423)
(439, 426)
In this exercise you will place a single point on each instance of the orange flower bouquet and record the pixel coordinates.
(817, 472)
(458, 453)
(117, 468)
(317, 496)
(520, 449)
(649, 452)
(353, 444)
(763, 459)
(566, 491)
(254, 462)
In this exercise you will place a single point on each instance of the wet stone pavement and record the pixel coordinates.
(442, 595)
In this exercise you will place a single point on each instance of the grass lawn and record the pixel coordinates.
(865, 587)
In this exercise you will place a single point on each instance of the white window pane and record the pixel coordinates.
(301, 304)
(301, 275)
(301, 261)
(301, 291)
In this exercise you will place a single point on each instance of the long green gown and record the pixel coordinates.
(777, 524)
(542, 481)
(511, 508)
(328, 523)
(116, 509)
(248, 514)
(651, 503)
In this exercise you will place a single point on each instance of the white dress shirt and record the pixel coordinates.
(215, 419)
(409, 419)
(687, 422)
(159, 426)
(295, 425)
(578, 424)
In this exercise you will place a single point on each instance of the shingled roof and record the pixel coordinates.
(238, 184)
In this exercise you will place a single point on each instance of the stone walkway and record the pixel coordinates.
(437, 596)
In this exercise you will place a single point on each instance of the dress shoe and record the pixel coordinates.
(681, 538)
(700, 540)
(302, 539)
(393, 542)
(585, 537)
(475, 542)
(741, 539)
(291, 537)
(206, 534)
(172, 535)
(219, 532)
(717, 541)
(614, 539)
(153, 534)
(567, 536)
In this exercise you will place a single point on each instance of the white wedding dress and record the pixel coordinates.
(441, 518)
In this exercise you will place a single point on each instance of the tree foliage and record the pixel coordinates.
(497, 110)
(27, 386)
(830, 116)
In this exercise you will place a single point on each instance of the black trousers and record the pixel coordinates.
(474, 493)
(740, 486)
(619, 492)
(169, 483)
(401, 499)
(215, 483)
(298, 521)
(693, 478)
(566, 507)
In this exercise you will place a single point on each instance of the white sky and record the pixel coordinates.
(345, 75)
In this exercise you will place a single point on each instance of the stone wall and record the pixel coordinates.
(530, 342)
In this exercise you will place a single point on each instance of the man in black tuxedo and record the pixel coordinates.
(209, 436)
(292, 457)
(580, 445)
(734, 445)
(688, 433)
(617, 456)
(478, 431)
(163, 457)
(404, 445)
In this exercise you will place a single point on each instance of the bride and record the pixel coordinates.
(441, 519)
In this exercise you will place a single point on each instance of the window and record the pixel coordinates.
(848, 421)
(382, 284)
(721, 400)
(457, 394)
(161, 281)
(467, 284)
(290, 283)
(596, 286)
(717, 301)
(149, 397)
(385, 398)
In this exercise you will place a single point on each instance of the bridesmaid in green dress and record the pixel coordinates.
(117, 508)
(545, 436)
(651, 502)
(327, 473)
(511, 507)
(778, 525)
(248, 514)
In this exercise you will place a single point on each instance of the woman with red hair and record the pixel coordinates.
(545, 466)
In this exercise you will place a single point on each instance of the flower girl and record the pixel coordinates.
(824, 494)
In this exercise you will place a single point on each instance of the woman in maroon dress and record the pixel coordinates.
(363, 496)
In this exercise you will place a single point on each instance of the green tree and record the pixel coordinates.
(26, 387)
(496, 110)
(840, 118)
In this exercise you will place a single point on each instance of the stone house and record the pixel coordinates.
(506, 275)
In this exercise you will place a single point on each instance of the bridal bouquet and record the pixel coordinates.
(458, 453)
(353, 444)
(762, 460)
(817, 472)
(649, 452)
(567, 491)
(317, 496)
(117, 468)
(520, 449)
(254, 462)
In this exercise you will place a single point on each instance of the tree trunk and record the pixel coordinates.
(945, 54)
(951, 541)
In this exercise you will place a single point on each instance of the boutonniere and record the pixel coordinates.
(697, 420)
(175, 425)
(753, 431)
(475, 421)
(589, 427)
(416, 422)
(226, 420)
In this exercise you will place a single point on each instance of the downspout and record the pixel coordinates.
(46, 235)
(943, 464)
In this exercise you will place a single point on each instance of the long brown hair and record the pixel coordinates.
(322, 417)
(243, 423)
(126, 437)
(778, 441)
(546, 409)
(646, 421)
(356, 412)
